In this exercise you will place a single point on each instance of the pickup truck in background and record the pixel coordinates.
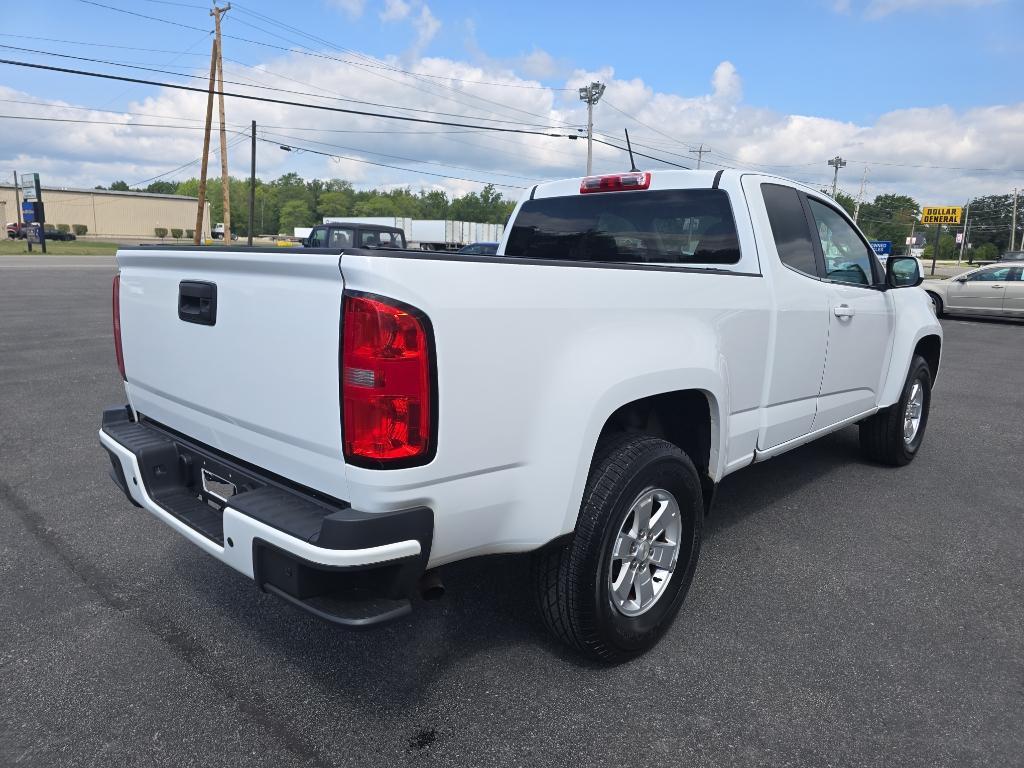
(337, 423)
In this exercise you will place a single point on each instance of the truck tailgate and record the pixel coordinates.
(261, 382)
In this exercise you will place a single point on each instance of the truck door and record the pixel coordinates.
(800, 328)
(860, 318)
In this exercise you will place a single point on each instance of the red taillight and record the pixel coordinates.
(116, 301)
(617, 182)
(386, 382)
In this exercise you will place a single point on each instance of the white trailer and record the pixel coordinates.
(427, 234)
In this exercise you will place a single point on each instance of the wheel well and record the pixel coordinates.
(930, 348)
(683, 418)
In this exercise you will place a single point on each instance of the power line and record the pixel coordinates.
(286, 138)
(257, 86)
(386, 165)
(250, 97)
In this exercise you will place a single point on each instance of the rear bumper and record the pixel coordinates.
(348, 567)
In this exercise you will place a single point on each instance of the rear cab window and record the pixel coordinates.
(664, 227)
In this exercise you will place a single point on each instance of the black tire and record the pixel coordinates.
(881, 436)
(936, 303)
(571, 581)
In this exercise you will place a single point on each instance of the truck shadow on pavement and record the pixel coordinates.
(488, 607)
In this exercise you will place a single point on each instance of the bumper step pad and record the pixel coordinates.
(171, 471)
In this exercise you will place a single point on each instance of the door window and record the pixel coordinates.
(318, 238)
(341, 238)
(847, 258)
(789, 228)
(996, 274)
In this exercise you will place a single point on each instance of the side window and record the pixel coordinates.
(368, 239)
(341, 238)
(996, 274)
(847, 258)
(789, 228)
(317, 238)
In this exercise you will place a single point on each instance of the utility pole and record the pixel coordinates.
(836, 162)
(967, 229)
(591, 94)
(198, 234)
(225, 179)
(700, 152)
(860, 195)
(1013, 226)
(17, 199)
(252, 181)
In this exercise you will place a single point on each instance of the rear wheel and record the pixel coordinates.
(893, 435)
(616, 587)
(936, 303)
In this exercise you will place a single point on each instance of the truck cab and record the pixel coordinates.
(354, 235)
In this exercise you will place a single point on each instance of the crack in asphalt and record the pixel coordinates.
(161, 627)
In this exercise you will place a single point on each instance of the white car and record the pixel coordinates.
(336, 424)
(996, 290)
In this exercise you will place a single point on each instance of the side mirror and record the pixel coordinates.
(305, 242)
(902, 272)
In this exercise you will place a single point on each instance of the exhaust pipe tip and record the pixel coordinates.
(431, 586)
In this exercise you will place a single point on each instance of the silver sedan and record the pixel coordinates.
(996, 290)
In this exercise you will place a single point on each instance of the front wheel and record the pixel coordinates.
(936, 303)
(616, 587)
(893, 436)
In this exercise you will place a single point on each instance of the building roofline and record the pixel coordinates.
(129, 193)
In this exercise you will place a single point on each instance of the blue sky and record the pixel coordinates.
(895, 84)
(801, 56)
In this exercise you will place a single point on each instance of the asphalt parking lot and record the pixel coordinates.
(842, 614)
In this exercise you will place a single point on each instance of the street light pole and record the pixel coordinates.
(836, 162)
(591, 94)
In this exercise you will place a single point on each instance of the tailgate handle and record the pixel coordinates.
(197, 302)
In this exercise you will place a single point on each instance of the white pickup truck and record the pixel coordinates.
(337, 424)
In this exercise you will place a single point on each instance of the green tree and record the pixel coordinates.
(984, 252)
(378, 205)
(163, 188)
(294, 213)
(119, 186)
(989, 221)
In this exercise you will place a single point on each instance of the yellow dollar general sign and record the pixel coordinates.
(947, 215)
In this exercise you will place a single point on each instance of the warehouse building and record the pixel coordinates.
(110, 214)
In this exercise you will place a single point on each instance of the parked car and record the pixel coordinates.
(580, 396)
(355, 235)
(1008, 256)
(16, 230)
(56, 234)
(479, 249)
(995, 290)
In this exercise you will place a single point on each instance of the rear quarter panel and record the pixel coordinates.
(532, 360)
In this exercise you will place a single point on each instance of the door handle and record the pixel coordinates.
(197, 302)
(998, 286)
(844, 310)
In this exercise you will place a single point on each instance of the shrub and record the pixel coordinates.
(79, 229)
(176, 233)
(64, 228)
(190, 233)
(48, 227)
(160, 232)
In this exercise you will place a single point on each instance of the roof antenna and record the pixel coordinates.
(632, 162)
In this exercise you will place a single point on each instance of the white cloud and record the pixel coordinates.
(876, 9)
(426, 25)
(395, 10)
(661, 124)
(352, 8)
(419, 16)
